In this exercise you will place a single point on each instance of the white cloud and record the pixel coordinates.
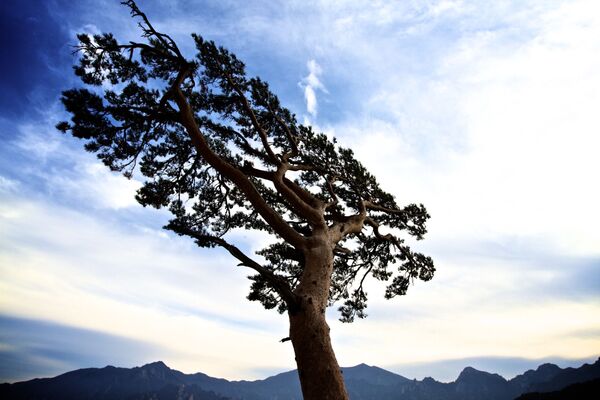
(528, 331)
(498, 139)
(312, 79)
(311, 84)
(8, 185)
(81, 177)
(83, 271)
(97, 186)
(311, 100)
(445, 6)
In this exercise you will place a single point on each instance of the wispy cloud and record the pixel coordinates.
(25, 354)
(86, 271)
(311, 83)
(66, 171)
(8, 185)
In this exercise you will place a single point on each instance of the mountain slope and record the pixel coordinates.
(589, 390)
(532, 378)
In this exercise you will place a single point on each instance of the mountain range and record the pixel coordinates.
(156, 381)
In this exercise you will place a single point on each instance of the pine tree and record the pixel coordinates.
(221, 153)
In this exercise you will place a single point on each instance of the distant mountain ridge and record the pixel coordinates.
(156, 381)
(589, 390)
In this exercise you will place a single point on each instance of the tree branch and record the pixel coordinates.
(300, 199)
(259, 129)
(331, 191)
(291, 138)
(351, 224)
(278, 283)
(234, 174)
(165, 39)
(372, 206)
(387, 237)
(306, 210)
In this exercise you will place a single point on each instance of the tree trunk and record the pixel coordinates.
(318, 370)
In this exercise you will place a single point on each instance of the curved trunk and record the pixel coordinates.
(318, 370)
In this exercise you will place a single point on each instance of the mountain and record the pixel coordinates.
(474, 384)
(589, 390)
(531, 378)
(156, 381)
(568, 376)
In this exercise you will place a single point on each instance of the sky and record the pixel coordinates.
(486, 112)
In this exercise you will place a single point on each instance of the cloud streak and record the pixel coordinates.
(62, 348)
(311, 83)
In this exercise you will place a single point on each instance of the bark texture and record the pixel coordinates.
(318, 369)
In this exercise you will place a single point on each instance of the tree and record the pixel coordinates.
(220, 152)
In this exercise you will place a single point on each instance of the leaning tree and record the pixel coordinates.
(220, 152)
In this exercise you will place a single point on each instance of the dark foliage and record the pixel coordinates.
(131, 113)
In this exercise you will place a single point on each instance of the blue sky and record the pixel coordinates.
(486, 113)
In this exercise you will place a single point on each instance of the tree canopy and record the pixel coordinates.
(219, 151)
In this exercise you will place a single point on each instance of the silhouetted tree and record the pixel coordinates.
(220, 152)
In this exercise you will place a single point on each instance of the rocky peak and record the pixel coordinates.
(156, 365)
(470, 375)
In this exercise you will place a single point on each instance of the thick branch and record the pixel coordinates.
(299, 198)
(355, 223)
(351, 224)
(342, 250)
(235, 175)
(306, 210)
(387, 237)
